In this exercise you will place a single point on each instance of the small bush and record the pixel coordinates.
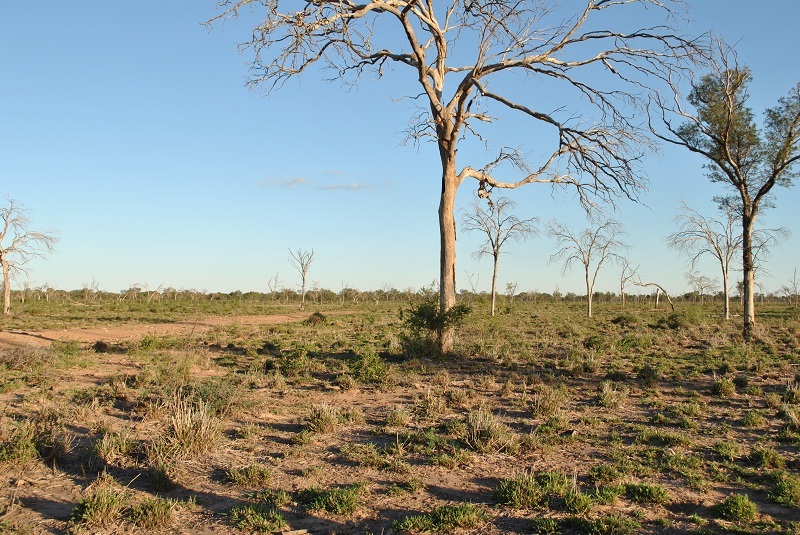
(738, 508)
(485, 433)
(786, 489)
(723, 387)
(443, 519)
(341, 501)
(644, 493)
(102, 504)
(257, 517)
(370, 368)
(251, 475)
(153, 513)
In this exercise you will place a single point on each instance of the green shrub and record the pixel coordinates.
(370, 368)
(153, 513)
(723, 387)
(484, 433)
(786, 489)
(738, 508)
(443, 519)
(102, 504)
(251, 475)
(644, 493)
(257, 517)
(341, 501)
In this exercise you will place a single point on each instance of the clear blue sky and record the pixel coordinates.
(126, 127)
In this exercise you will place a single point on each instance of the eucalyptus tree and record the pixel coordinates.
(699, 236)
(596, 60)
(747, 159)
(301, 261)
(590, 248)
(19, 244)
(498, 225)
(701, 284)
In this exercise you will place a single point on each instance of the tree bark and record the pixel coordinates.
(447, 233)
(726, 307)
(494, 284)
(6, 288)
(588, 295)
(748, 274)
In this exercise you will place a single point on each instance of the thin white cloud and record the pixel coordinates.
(285, 183)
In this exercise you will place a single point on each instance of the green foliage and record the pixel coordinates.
(257, 517)
(340, 501)
(723, 387)
(645, 493)
(443, 519)
(786, 489)
(427, 317)
(153, 513)
(102, 504)
(370, 368)
(738, 508)
(251, 475)
(484, 433)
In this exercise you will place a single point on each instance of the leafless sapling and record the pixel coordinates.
(301, 261)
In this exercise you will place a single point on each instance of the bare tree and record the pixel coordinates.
(498, 225)
(699, 236)
(468, 58)
(626, 275)
(792, 289)
(590, 248)
(747, 159)
(18, 245)
(273, 283)
(701, 284)
(301, 261)
(659, 290)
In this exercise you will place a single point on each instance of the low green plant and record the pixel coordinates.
(484, 433)
(728, 451)
(443, 519)
(370, 368)
(340, 501)
(102, 504)
(645, 493)
(257, 517)
(786, 489)
(252, 475)
(738, 508)
(767, 457)
(153, 513)
(723, 387)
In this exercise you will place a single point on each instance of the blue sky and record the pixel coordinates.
(126, 127)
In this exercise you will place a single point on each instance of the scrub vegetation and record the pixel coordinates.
(346, 420)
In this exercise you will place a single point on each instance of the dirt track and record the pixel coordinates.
(115, 333)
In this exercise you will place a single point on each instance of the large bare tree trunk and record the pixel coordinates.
(6, 289)
(748, 274)
(447, 233)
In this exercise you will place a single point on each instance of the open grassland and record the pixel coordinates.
(543, 421)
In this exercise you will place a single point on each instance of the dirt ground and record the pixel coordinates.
(117, 333)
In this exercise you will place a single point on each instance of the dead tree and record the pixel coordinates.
(468, 58)
(626, 275)
(18, 245)
(499, 226)
(301, 261)
(701, 284)
(659, 290)
(590, 248)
